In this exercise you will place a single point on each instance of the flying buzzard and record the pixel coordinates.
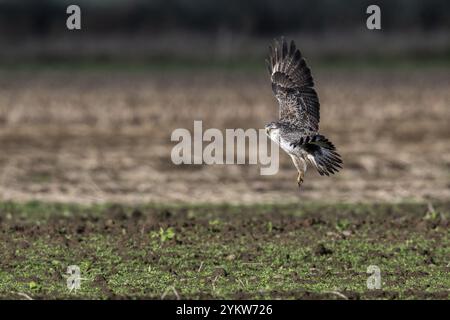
(297, 130)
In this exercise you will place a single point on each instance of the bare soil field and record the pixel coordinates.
(104, 136)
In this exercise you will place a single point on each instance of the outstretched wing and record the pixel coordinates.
(293, 86)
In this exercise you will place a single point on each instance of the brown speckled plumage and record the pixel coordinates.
(299, 111)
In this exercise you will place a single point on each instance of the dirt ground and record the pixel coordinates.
(233, 252)
(104, 136)
(93, 147)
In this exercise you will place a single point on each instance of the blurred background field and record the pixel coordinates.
(86, 116)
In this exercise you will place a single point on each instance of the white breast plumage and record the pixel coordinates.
(286, 146)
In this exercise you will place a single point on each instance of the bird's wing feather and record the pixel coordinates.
(293, 86)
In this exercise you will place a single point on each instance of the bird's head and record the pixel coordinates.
(271, 128)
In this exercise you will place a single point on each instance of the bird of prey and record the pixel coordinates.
(297, 130)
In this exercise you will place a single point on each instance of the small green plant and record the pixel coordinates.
(431, 213)
(33, 285)
(214, 222)
(269, 226)
(164, 235)
(342, 224)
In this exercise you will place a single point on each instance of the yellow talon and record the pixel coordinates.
(299, 179)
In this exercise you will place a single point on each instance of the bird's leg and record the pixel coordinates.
(300, 164)
(300, 177)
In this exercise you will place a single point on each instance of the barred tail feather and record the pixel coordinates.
(323, 155)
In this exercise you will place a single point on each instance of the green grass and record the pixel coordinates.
(225, 251)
